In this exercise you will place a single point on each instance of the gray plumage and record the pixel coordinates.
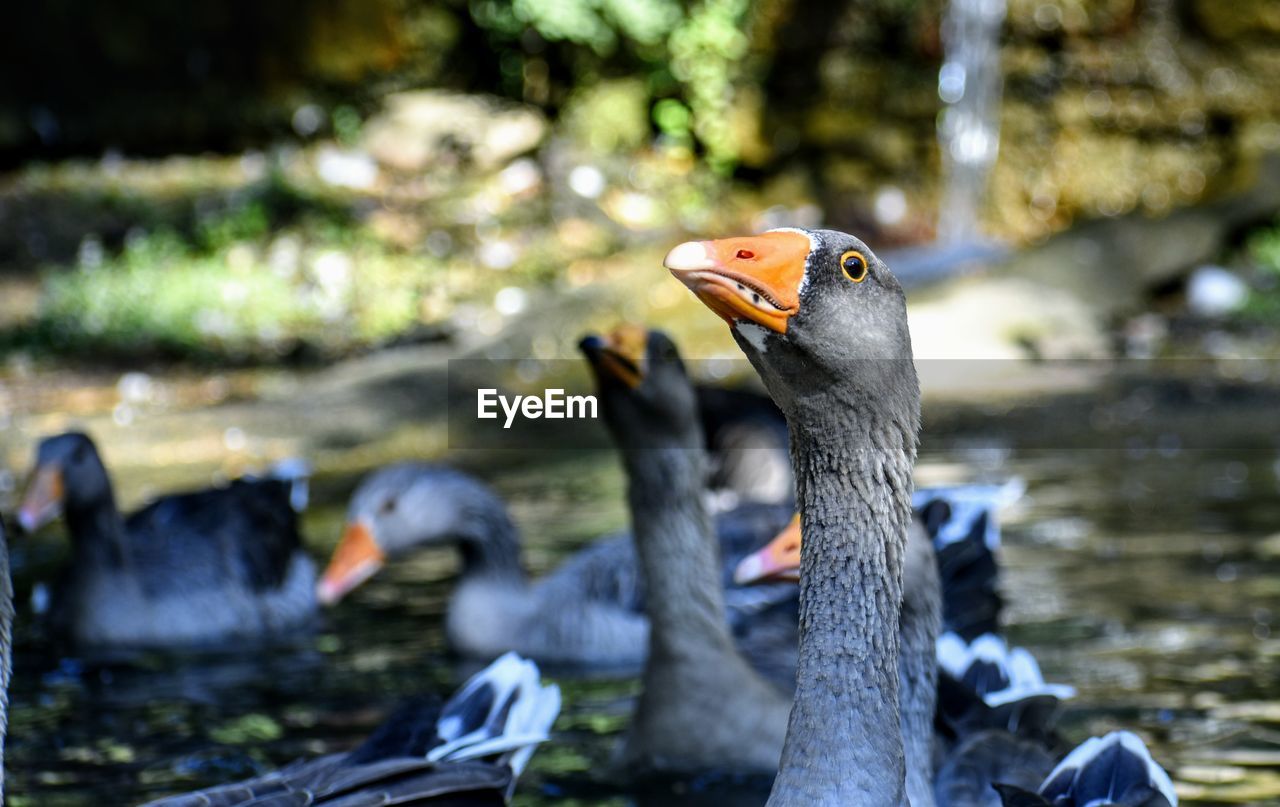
(197, 568)
(843, 377)
(588, 611)
(702, 707)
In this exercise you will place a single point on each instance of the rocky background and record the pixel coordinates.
(1110, 106)
(211, 181)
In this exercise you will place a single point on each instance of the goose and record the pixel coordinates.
(588, 612)
(206, 567)
(701, 707)
(746, 440)
(1116, 768)
(642, 386)
(470, 751)
(824, 323)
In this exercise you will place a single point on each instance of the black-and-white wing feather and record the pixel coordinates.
(468, 752)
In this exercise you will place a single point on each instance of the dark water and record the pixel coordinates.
(1145, 579)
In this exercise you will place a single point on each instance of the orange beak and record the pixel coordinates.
(780, 560)
(756, 278)
(43, 501)
(357, 558)
(620, 354)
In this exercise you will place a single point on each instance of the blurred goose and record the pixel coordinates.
(964, 523)
(824, 322)
(585, 612)
(195, 568)
(1116, 769)
(589, 611)
(746, 440)
(702, 707)
(468, 752)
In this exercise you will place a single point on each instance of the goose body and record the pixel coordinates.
(470, 751)
(588, 612)
(198, 568)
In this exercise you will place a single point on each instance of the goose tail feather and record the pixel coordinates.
(503, 711)
(1114, 769)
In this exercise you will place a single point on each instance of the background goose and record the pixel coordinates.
(1116, 769)
(589, 611)
(470, 751)
(194, 568)
(746, 440)
(701, 707)
(585, 612)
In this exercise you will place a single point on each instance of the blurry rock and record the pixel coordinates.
(522, 178)
(1003, 318)
(346, 169)
(1213, 291)
(422, 128)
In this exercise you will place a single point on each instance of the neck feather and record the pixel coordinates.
(853, 477)
(489, 542)
(676, 546)
(97, 531)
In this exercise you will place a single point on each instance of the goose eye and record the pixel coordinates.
(388, 507)
(854, 266)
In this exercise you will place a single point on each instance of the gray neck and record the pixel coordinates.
(676, 546)
(6, 648)
(97, 532)
(490, 544)
(853, 479)
(702, 706)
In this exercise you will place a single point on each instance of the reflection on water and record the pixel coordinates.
(1144, 579)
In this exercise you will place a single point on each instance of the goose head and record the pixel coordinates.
(812, 309)
(779, 560)
(646, 397)
(405, 507)
(68, 473)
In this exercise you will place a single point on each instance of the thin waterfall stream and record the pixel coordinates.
(970, 83)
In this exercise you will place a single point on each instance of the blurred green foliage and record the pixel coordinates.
(691, 57)
(1262, 251)
(256, 280)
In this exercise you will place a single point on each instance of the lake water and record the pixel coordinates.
(1146, 578)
